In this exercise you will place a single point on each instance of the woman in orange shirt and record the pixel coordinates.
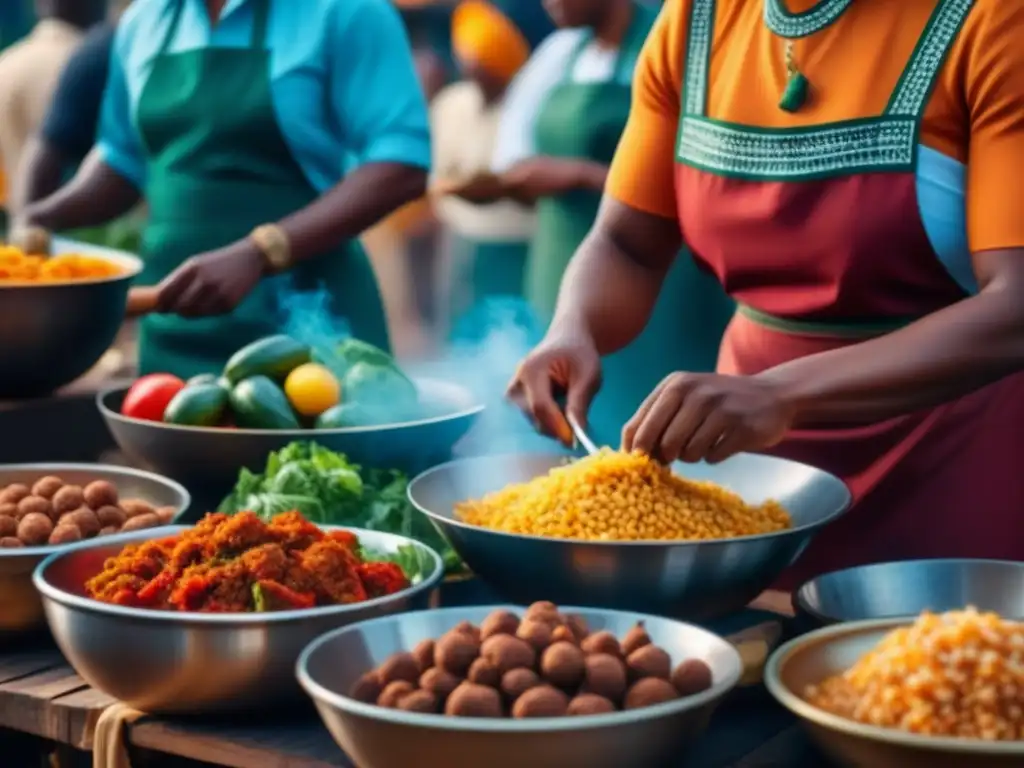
(851, 172)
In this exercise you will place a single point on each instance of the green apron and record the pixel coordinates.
(218, 166)
(586, 120)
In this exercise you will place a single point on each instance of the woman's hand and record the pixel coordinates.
(548, 176)
(212, 283)
(564, 363)
(707, 416)
(479, 189)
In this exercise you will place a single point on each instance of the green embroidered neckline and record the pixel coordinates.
(783, 23)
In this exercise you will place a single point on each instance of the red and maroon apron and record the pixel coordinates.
(816, 232)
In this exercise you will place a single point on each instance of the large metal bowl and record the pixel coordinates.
(811, 658)
(21, 610)
(696, 580)
(905, 589)
(52, 333)
(191, 663)
(375, 737)
(210, 458)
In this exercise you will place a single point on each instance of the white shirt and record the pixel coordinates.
(463, 130)
(547, 67)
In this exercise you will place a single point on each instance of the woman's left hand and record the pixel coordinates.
(212, 283)
(543, 177)
(707, 416)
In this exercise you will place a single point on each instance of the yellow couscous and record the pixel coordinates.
(20, 267)
(954, 674)
(616, 496)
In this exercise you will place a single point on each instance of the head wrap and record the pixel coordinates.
(485, 36)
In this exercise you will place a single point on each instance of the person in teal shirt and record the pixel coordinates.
(265, 137)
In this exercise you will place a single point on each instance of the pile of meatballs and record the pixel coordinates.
(545, 665)
(54, 512)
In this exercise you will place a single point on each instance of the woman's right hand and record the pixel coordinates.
(565, 363)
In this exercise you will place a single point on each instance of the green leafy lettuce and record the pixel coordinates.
(328, 489)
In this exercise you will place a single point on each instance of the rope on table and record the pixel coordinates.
(110, 742)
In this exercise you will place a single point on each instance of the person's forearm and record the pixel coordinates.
(40, 174)
(97, 194)
(944, 356)
(362, 199)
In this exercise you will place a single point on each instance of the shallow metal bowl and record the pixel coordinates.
(21, 610)
(375, 737)
(810, 659)
(211, 458)
(691, 580)
(905, 589)
(192, 663)
(52, 333)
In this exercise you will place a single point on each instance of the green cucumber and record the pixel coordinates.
(198, 405)
(202, 378)
(274, 357)
(258, 403)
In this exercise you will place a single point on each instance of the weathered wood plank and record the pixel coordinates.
(26, 704)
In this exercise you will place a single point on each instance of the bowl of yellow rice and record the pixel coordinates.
(620, 531)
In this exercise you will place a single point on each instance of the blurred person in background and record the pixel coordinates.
(487, 243)
(562, 119)
(265, 136)
(29, 71)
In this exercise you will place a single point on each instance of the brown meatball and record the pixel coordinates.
(10, 542)
(563, 634)
(649, 661)
(467, 628)
(542, 701)
(8, 510)
(34, 505)
(367, 688)
(648, 692)
(516, 682)
(536, 633)
(499, 623)
(34, 529)
(578, 625)
(439, 683)
(136, 507)
(455, 652)
(65, 534)
(139, 522)
(108, 531)
(545, 611)
(100, 493)
(14, 493)
(8, 526)
(484, 672)
(393, 693)
(67, 499)
(85, 519)
(419, 701)
(691, 677)
(166, 514)
(111, 517)
(562, 665)
(424, 654)
(47, 486)
(590, 704)
(601, 642)
(472, 700)
(399, 666)
(506, 652)
(635, 639)
(604, 675)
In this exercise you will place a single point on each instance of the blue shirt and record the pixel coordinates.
(342, 78)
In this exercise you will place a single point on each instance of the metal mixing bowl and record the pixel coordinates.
(811, 658)
(191, 663)
(52, 333)
(692, 580)
(892, 590)
(375, 737)
(21, 610)
(210, 458)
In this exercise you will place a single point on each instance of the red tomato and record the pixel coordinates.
(149, 395)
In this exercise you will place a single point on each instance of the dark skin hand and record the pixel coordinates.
(529, 180)
(949, 354)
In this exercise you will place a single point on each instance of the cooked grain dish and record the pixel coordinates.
(954, 674)
(17, 266)
(616, 496)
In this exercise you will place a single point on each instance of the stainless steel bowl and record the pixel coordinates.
(375, 737)
(190, 663)
(21, 610)
(811, 658)
(211, 458)
(52, 333)
(692, 580)
(904, 589)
